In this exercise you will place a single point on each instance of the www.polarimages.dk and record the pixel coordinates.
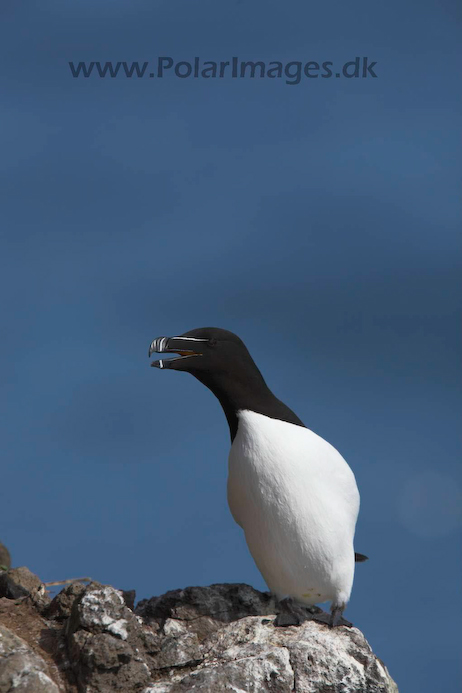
(292, 72)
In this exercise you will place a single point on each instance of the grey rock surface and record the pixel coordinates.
(20, 582)
(21, 669)
(239, 649)
(61, 606)
(211, 639)
(108, 646)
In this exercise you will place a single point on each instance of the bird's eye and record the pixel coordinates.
(213, 342)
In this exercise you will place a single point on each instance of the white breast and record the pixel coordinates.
(297, 501)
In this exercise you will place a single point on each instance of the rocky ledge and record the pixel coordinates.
(89, 639)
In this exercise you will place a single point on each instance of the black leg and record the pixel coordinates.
(293, 614)
(289, 614)
(336, 618)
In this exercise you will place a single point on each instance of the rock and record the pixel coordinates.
(107, 642)
(5, 558)
(21, 669)
(61, 606)
(20, 582)
(129, 597)
(247, 654)
(206, 608)
(211, 639)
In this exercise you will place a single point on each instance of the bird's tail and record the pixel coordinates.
(360, 557)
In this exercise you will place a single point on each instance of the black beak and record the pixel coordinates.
(187, 347)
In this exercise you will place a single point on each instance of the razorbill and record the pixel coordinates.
(292, 493)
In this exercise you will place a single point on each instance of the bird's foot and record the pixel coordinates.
(336, 618)
(315, 613)
(293, 614)
(290, 615)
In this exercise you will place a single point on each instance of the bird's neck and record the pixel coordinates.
(249, 392)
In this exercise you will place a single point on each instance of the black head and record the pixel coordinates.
(205, 349)
(222, 362)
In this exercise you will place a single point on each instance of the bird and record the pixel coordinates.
(290, 490)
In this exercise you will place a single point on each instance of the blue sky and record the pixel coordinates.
(319, 221)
